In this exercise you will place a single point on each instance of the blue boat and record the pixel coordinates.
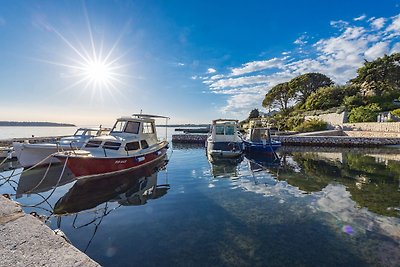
(259, 141)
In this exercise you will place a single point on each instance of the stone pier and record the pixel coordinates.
(26, 241)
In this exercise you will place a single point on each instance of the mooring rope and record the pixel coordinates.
(54, 189)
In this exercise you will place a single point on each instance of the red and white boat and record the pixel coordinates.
(132, 143)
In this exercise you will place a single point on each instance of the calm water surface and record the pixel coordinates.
(313, 207)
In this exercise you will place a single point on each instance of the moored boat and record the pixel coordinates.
(40, 153)
(224, 139)
(258, 140)
(132, 143)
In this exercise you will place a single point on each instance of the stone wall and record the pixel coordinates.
(333, 119)
(372, 134)
(388, 127)
(338, 141)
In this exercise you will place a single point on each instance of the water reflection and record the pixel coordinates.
(132, 188)
(373, 183)
(42, 179)
(224, 167)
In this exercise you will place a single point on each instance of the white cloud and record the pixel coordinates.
(339, 24)
(302, 40)
(258, 65)
(237, 82)
(211, 70)
(338, 57)
(394, 27)
(395, 48)
(377, 50)
(362, 17)
(378, 24)
(217, 77)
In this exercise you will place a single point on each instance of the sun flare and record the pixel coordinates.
(98, 72)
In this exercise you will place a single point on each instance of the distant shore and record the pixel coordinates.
(36, 123)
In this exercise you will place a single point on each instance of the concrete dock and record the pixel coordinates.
(325, 138)
(26, 241)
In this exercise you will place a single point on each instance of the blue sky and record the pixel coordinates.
(191, 60)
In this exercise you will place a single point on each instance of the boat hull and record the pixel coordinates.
(254, 147)
(31, 154)
(85, 166)
(225, 149)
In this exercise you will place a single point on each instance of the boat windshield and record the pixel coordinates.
(259, 135)
(229, 130)
(80, 132)
(225, 129)
(126, 126)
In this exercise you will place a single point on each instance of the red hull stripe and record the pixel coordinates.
(91, 166)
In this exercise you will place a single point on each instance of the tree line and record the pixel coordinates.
(376, 88)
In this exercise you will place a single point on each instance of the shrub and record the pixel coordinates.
(364, 114)
(396, 112)
(311, 126)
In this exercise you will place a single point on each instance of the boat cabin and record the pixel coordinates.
(92, 131)
(224, 130)
(129, 134)
(260, 135)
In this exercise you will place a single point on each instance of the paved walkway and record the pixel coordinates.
(26, 241)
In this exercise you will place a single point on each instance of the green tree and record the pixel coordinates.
(254, 114)
(279, 96)
(311, 125)
(333, 96)
(380, 77)
(306, 84)
(364, 114)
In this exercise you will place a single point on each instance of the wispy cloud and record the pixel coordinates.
(338, 57)
(211, 70)
(302, 40)
(378, 23)
(257, 66)
(362, 17)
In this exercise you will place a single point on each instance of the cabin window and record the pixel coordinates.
(144, 144)
(229, 130)
(112, 145)
(79, 132)
(132, 127)
(148, 128)
(132, 146)
(93, 143)
(90, 133)
(219, 129)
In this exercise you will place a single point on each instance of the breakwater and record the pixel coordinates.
(298, 140)
(27, 241)
(341, 141)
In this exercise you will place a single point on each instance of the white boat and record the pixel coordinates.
(6, 152)
(40, 153)
(132, 143)
(224, 139)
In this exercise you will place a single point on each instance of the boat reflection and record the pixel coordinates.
(373, 183)
(132, 188)
(263, 161)
(224, 167)
(43, 178)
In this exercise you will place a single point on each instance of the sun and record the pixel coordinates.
(98, 72)
(92, 66)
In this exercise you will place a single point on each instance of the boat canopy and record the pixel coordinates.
(149, 116)
(260, 134)
(224, 120)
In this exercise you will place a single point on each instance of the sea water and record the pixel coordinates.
(308, 207)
